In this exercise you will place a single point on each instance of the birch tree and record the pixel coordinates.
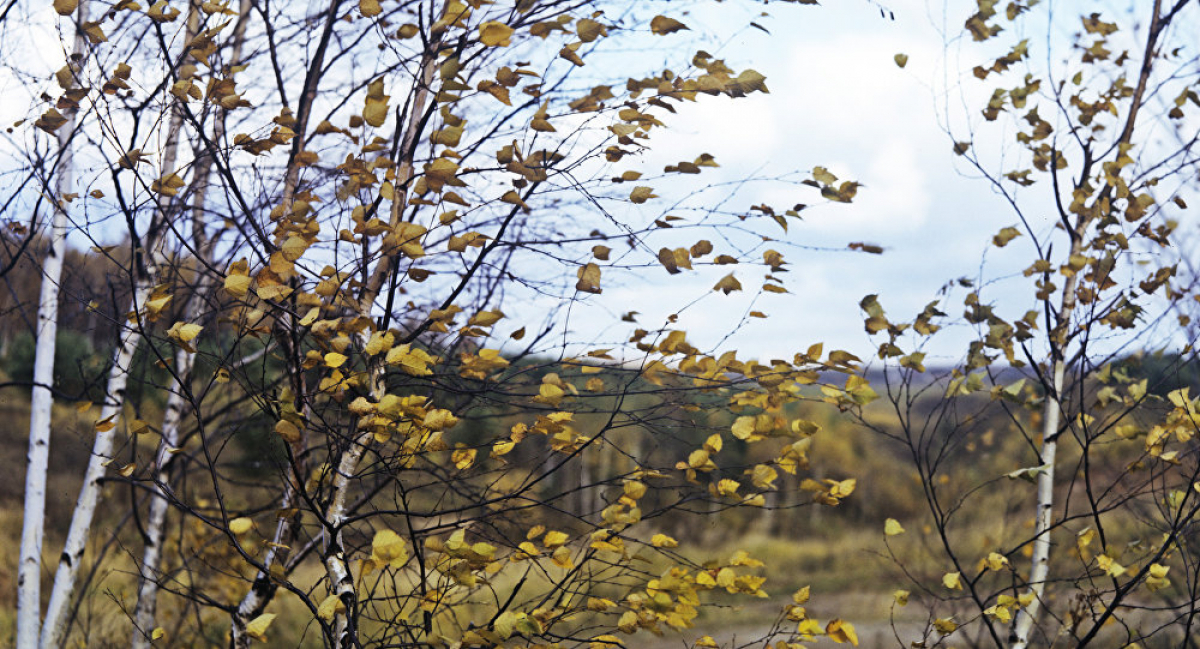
(60, 178)
(335, 213)
(1097, 461)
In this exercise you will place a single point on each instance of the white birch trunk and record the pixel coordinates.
(143, 620)
(1045, 512)
(1051, 420)
(38, 460)
(55, 626)
(337, 566)
(147, 603)
(29, 568)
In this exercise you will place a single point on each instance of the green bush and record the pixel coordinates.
(78, 369)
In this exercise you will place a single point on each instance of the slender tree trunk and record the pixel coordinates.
(55, 626)
(29, 569)
(337, 566)
(1051, 417)
(144, 614)
(143, 618)
(1026, 617)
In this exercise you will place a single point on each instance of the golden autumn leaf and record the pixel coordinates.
(257, 628)
(50, 121)
(495, 34)
(663, 541)
(945, 626)
(389, 549)
(95, 33)
(237, 285)
(287, 431)
(369, 8)
(589, 279)
(728, 284)
(241, 525)
(330, 607)
(375, 111)
(589, 30)
(184, 332)
(662, 25)
(952, 580)
(167, 185)
(641, 194)
(159, 12)
(65, 7)
(841, 631)
(892, 527)
(901, 60)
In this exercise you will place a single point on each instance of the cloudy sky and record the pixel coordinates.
(838, 99)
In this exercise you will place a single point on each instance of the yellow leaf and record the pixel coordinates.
(663, 541)
(841, 631)
(589, 279)
(662, 25)
(495, 34)
(641, 194)
(843, 488)
(257, 628)
(901, 60)
(945, 626)
(157, 633)
(159, 12)
(50, 121)
(727, 487)
(554, 539)
(743, 427)
(237, 285)
(241, 525)
(375, 111)
(562, 558)
(728, 284)
(334, 359)
(369, 8)
(184, 333)
(439, 419)
(167, 185)
(589, 30)
(387, 548)
(901, 597)
(726, 578)
(505, 624)
(65, 7)
(330, 607)
(485, 318)
(952, 580)
(1108, 565)
(293, 248)
(94, 33)
(892, 527)
(288, 431)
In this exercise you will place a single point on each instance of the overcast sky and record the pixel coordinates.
(838, 99)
